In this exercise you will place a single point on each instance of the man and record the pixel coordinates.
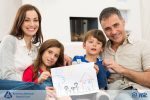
(128, 60)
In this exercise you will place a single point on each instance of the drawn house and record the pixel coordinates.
(86, 82)
(59, 81)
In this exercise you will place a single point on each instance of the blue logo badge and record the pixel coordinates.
(8, 95)
(137, 94)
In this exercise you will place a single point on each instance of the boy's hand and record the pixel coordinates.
(43, 76)
(96, 68)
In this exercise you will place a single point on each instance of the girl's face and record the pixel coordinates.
(30, 25)
(50, 56)
(92, 46)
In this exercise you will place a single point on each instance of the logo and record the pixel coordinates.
(8, 95)
(136, 94)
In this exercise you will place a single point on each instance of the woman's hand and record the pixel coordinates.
(67, 60)
(50, 93)
(43, 76)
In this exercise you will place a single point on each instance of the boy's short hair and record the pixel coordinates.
(98, 34)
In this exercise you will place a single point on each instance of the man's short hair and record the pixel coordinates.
(107, 12)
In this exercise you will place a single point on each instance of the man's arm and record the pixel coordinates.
(141, 78)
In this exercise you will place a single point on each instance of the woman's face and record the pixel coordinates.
(30, 25)
(50, 56)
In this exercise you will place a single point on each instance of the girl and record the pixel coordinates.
(50, 55)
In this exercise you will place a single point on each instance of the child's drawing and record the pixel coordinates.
(75, 79)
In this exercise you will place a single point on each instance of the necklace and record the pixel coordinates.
(29, 52)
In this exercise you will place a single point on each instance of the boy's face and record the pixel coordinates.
(93, 46)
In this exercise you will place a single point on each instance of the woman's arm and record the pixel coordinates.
(67, 60)
(7, 51)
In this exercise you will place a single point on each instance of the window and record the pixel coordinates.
(80, 25)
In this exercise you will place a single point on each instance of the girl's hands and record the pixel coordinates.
(44, 76)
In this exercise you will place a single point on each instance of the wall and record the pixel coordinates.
(145, 19)
(56, 14)
(8, 10)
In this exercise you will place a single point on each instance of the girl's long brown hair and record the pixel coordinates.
(48, 44)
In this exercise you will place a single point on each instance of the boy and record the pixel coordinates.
(94, 43)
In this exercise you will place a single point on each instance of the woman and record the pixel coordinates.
(18, 49)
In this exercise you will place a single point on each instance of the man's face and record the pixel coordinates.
(113, 27)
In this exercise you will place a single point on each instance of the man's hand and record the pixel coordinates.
(110, 64)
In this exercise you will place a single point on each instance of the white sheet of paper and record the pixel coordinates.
(76, 79)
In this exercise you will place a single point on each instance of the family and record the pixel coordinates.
(121, 62)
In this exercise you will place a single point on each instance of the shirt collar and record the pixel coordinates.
(99, 58)
(129, 39)
(23, 43)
